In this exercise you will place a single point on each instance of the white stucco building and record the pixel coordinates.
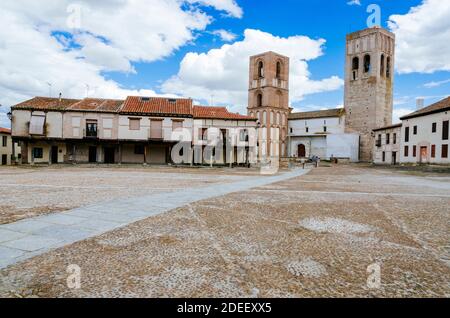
(422, 137)
(9, 150)
(322, 134)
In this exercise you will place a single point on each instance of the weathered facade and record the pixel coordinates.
(369, 81)
(9, 150)
(322, 134)
(268, 101)
(136, 130)
(387, 145)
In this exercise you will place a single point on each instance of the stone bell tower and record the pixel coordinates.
(268, 101)
(369, 81)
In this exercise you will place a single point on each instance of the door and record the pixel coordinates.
(4, 160)
(301, 151)
(93, 154)
(394, 158)
(109, 155)
(54, 154)
(423, 154)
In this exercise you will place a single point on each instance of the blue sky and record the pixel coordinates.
(173, 47)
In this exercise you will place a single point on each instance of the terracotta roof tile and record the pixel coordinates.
(211, 112)
(336, 112)
(5, 130)
(157, 106)
(440, 106)
(388, 127)
(46, 103)
(97, 104)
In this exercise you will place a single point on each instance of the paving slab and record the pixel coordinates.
(27, 238)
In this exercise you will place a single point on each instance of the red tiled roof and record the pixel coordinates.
(210, 112)
(335, 112)
(5, 130)
(388, 127)
(440, 106)
(46, 103)
(157, 106)
(97, 104)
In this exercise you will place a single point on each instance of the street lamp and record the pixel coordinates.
(9, 114)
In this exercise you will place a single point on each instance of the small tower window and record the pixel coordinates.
(355, 68)
(259, 100)
(388, 67)
(367, 65)
(278, 70)
(260, 69)
(382, 65)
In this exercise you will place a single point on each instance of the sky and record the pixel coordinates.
(200, 48)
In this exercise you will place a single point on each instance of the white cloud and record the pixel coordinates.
(225, 35)
(229, 6)
(354, 3)
(39, 45)
(223, 72)
(436, 84)
(422, 37)
(400, 112)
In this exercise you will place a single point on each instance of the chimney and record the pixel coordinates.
(420, 103)
(60, 97)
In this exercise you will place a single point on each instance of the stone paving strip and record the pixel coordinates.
(31, 237)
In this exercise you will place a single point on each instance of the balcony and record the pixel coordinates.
(90, 133)
(279, 83)
(259, 83)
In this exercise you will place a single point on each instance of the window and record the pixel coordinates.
(394, 139)
(388, 67)
(444, 151)
(406, 151)
(259, 100)
(91, 128)
(139, 149)
(414, 151)
(307, 129)
(367, 65)
(382, 65)
(203, 134)
(177, 124)
(324, 128)
(135, 123)
(260, 69)
(355, 68)
(278, 70)
(243, 135)
(291, 130)
(37, 124)
(388, 139)
(406, 134)
(434, 127)
(5, 141)
(445, 130)
(415, 130)
(384, 156)
(433, 151)
(156, 129)
(38, 153)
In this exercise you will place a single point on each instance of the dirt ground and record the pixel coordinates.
(32, 191)
(318, 235)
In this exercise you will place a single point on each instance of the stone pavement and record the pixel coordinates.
(31, 237)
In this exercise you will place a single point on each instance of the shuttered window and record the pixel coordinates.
(433, 151)
(444, 151)
(177, 124)
(156, 129)
(37, 125)
(445, 128)
(135, 123)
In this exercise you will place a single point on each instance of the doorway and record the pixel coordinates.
(54, 154)
(394, 158)
(4, 160)
(423, 154)
(92, 154)
(109, 155)
(301, 151)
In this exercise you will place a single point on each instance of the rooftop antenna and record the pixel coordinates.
(49, 89)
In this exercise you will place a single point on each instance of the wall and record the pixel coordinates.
(425, 138)
(388, 149)
(343, 146)
(8, 150)
(335, 125)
